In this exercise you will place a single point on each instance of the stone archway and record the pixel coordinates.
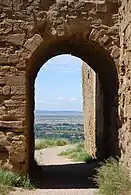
(34, 32)
(108, 78)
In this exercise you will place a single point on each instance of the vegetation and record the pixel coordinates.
(60, 131)
(113, 179)
(49, 128)
(45, 143)
(78, 153)
(8, 180)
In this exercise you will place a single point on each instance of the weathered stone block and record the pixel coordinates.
(13, 59)
(90, 30)
(21, 64)
(11, 124)
(7, 3)
(104, 39)
(15, 80)
(4, 143)
(6, 90)
(16, 39)
(33, 43)
(3, 59)
(18, 90)
(115, 52)
(2, 80)
(8, 59)
(14, 103)
(11, 136)
(3, 110)
(101, 7)
(17, 153)
(19, 98)
(19, 111)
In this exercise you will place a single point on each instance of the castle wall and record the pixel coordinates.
(125, 82)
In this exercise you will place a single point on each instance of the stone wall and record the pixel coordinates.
(99, 112)
(89, 107)
(93, 111)
(31, 32)
(125, 82)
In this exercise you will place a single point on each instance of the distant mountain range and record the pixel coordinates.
(58, 113)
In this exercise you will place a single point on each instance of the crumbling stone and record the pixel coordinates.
(31, 32)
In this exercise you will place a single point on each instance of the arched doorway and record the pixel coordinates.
(86, 29)
(59, 120)
(101, 62)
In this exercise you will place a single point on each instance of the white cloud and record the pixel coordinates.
(46, 103)
(72, 99)
(59, 98)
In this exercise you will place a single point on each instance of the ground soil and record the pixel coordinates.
(62, 176)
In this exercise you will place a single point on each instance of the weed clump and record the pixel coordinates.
(45, 143)
(112, 178)
(9, 179)
(77, 153)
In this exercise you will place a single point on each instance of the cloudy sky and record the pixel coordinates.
(58, 85)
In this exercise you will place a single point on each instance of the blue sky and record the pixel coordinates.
(58, 85)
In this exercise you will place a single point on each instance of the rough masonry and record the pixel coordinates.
(89, 107)
(93, 111)
(125, 82)
(33, 31)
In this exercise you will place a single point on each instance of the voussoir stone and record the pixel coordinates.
(32, 43)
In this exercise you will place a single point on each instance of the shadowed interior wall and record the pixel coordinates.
(89, 108)
(93, 111)
(99, 115)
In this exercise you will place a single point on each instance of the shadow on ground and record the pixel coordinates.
(65, 176)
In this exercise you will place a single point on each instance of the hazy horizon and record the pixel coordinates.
(54, 117)
(58, 110)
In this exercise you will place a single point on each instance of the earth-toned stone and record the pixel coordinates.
(31, 32)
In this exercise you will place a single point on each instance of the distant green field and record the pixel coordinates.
(59, 125)
(59, 131)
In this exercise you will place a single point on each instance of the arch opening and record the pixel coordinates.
(103, 65)
(59, 119)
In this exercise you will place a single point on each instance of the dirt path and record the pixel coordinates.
(49, 156)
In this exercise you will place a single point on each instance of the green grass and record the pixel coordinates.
(113, 179)
(8, 180)
(45, 143)
(4, 190)
(78, 153)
